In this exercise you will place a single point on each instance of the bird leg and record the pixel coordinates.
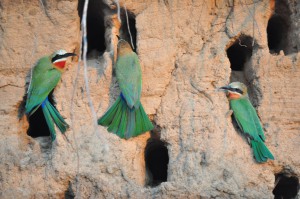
(229, 113)
(249, 137)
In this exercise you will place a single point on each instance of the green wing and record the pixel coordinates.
(129, 75)
(44, 79)
(247, 118)
(248, 121)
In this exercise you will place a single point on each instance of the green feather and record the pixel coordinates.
(49, 123)
(114, 126)
(123, 122)
(129, 76)
(127, 118)
(126, 122)
(57, 118)
(43, 81)
(248, 121)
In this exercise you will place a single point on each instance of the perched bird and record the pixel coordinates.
(126, 117)
(45, 76)
(247, 119)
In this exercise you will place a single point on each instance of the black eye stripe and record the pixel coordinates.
(237, 90)
(56, 57)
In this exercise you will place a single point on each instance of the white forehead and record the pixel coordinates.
(60, 52)
(235, 85)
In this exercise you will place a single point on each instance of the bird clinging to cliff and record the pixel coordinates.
(247, 119)
(45, 76)
(126, 117)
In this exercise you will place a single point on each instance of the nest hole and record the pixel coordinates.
(37, 123)
(125, 32)
(69, 193)
(286, 186)
(240, 52)
(277, 31)
(157, 160)
(95, 25)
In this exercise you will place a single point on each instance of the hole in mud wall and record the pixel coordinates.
(124, 31)
(37, 123)
(69, 193)
(286, 186)
(157, 160)
(277, 34)
(95, 26)
(239, 53)
(278, 29)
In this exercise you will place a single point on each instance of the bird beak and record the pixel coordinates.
(68, 55)
(224, 88)
(118, 37)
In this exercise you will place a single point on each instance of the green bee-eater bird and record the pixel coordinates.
(126, 117)
(247, 119)
(45, 76)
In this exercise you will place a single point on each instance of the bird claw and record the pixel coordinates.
(229, 113)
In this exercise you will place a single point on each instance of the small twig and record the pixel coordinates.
(119, 10)
(253, 23)
(86, 79)
(128, 27)
(240, 43)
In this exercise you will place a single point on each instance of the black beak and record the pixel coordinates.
(68, 55)
(118, 37)
(56, 57)
(224, 88)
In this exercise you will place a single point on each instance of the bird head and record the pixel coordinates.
(123, 47)
(59, 58)
(235, 90)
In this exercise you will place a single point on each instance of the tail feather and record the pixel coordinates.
(57, 118)
(114, 126)
(49, 122)
(107, 118)
(147, 124)
(123, 122)
(126, 122)
(53, 116)
(131, 129)
(260, 151)
(139, 121)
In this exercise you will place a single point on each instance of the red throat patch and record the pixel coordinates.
(60, 64)
(233, 95)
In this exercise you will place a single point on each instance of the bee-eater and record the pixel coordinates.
(126, 117)
(45, 76)
(247, 119)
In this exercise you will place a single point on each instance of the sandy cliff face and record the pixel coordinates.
(183, 48)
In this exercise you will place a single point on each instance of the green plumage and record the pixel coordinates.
(44, 79)
(127, 118)
(248, 121)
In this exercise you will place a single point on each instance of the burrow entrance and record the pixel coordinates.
(239, 54)
(157, 160)
(286, 186)
(279, 30)
(99, 23)
(95, 25)
(129, 28)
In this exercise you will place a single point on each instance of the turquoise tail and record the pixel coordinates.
(53, 116)
(261, 152)
(124, 121)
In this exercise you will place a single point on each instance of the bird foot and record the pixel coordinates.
(229, 113)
